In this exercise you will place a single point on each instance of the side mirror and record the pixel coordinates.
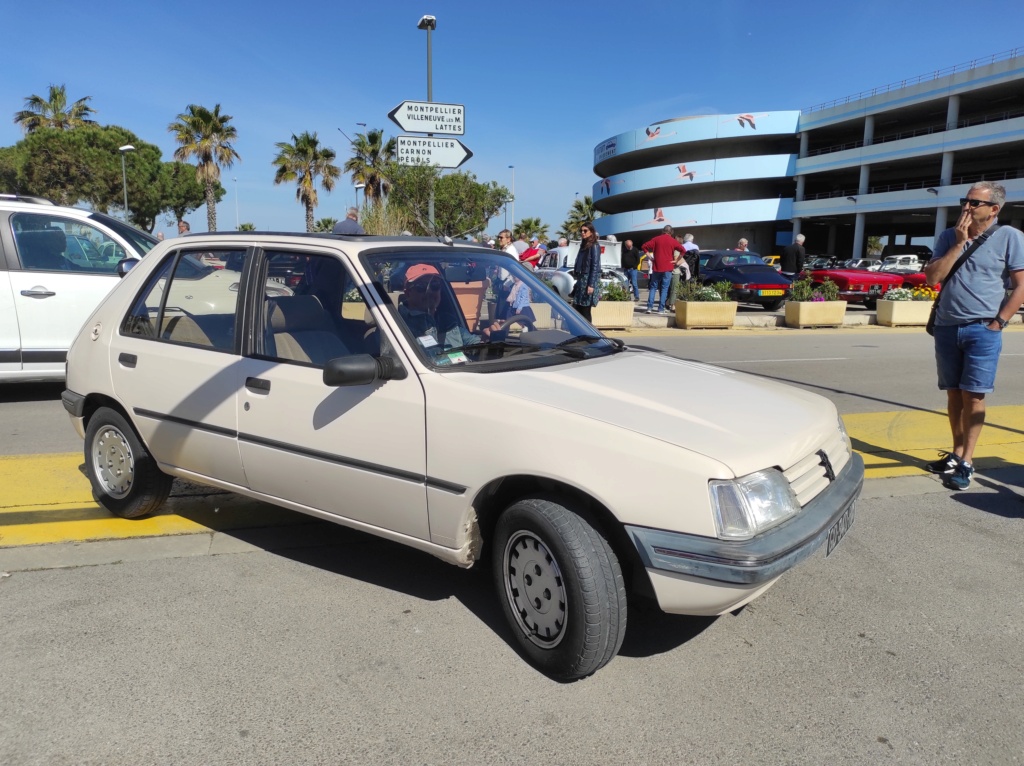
(125, 265)
(361, 370)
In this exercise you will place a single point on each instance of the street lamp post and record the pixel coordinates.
(236, 203)
(429, 23)
(513, 169)
(124, 176)
(358, 187)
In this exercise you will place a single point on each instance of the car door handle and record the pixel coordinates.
(128, 360)
(38, 293)
(258, 384)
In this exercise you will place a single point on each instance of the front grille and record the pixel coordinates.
(809, 477)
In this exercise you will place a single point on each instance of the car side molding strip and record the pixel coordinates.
(362, 465)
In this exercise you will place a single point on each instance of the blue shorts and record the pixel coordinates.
(966, 356)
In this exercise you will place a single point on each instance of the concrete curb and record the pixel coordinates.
(765, 320)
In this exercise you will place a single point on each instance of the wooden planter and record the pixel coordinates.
(694, 314)
(904, 313)
(815, 314)
(608, 315)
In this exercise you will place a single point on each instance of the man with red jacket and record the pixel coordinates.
(664, 247)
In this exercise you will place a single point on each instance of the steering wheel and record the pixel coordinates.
(502, 332)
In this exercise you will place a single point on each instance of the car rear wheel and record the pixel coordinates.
(125, 479)
(870, 305)
(774, 305)
(560, 587)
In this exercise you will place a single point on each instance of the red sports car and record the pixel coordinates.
(858, 285)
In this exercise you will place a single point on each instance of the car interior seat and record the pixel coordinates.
(300, 330)
(42, 249)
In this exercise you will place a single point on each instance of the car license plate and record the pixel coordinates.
(771, 292)
(839, 530)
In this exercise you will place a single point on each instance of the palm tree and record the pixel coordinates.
(54, 112)
(247, 226)
(325, 225)
(302, 161)
(207, 136)
(530, 227)
(369, 155)
(581, 212)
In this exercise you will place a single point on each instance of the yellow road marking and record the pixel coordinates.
(47, 498)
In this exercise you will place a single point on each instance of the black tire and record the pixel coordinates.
(125, 479)
(774, 305)
(870, 305)
(560, 587)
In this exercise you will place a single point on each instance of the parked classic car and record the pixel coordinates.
(753, 280)
(857, 285)
(382, 395)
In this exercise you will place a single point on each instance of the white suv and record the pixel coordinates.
(378, 383)
(56, 265)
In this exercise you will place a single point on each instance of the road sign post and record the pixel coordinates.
(431, 150)
(429, 117)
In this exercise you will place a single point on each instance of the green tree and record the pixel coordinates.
(582, 210)
(874, 246)
(325, 225)
(207, 136)
(181, 193)
(303, 161)
(370, 157)
(530, 227)
(247, 226)
(462, 205)
(54, 112)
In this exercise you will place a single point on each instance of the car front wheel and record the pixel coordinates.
(125, 479)
(560, 587)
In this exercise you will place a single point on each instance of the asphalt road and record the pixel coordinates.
(903, 646)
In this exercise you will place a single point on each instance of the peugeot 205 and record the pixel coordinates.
(389, 391)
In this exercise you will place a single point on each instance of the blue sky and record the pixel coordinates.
(542, 82)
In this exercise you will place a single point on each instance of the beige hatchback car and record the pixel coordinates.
(439, 395)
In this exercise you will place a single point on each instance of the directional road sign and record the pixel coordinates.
(430, 117)
(424, 150)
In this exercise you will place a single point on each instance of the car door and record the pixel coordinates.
(175, 363)
(53, 289)
(355, 452)
(10, 338)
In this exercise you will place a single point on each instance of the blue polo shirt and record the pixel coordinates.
(978, 289)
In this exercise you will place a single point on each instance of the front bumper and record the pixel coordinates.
(74, 403)
(761, 559)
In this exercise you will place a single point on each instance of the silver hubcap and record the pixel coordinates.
(113, 462)
(535, 589)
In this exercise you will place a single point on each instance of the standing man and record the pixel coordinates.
(562, 252)
(793, 256)
(972, 311)
(183, 228)
(521, 245)
(691, 255)
(531, 255)
(664, 247)
(350, 224)
(503, 281)
(629, 261)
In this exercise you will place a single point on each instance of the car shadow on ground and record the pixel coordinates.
(375, 561)
(31, 392)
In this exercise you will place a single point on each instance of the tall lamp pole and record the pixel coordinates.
(513, 169)
(124, 176)
(429, 23)
(236, 203)
(358, 187)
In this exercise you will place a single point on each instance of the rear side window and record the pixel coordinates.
(53, 243)
(192, 299)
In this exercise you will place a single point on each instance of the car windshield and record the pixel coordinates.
(480, 311)
(139, 240)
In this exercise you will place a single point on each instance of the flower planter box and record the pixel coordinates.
(608, 315)
(904, 313)
(815, 313)
(702, 314)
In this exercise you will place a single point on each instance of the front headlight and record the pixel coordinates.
(846, 436)
(749, 505)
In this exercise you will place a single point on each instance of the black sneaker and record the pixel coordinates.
(945, 465)
(960, 478)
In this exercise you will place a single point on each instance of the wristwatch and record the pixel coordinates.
(1001, 322)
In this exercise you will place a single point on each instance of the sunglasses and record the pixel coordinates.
(584, 229)
(975, 202)
(434, 285)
